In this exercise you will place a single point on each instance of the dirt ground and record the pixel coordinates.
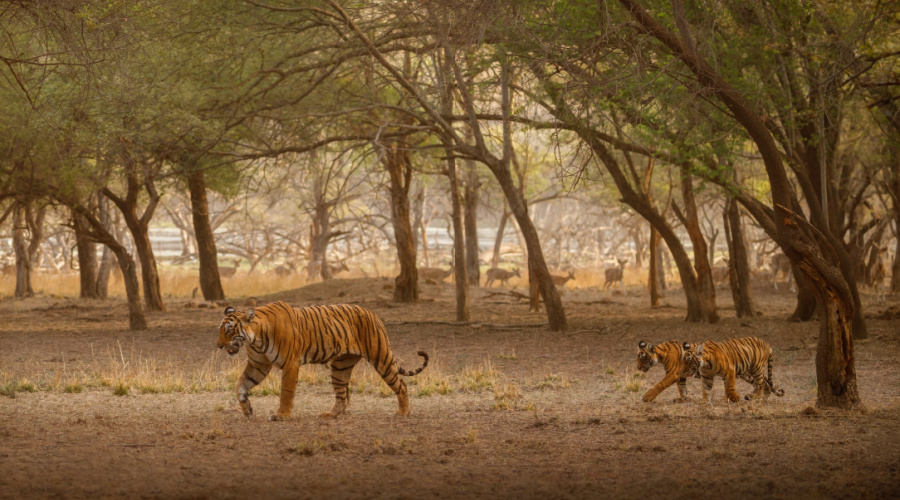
(505, 409)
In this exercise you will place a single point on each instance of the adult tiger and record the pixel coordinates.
(747, 358)
(280, 335)
(670, 355)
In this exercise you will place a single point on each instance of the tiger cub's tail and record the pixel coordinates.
(417, 371)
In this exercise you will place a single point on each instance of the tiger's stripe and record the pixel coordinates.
(285, 337)
(748, 358)
(669, 354)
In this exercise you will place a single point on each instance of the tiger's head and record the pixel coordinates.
(693, 358)
(647, 356)
(234, 330)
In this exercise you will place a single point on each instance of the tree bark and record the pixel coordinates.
(87, 258)
(706, 288)
(738, 265)
(99, 232)
(653, 280)
(139, 228)
(107, 256)
(395, 159)
(207, 254)
(20, 247)
(473, 270)
(498, 240)
(459, 243)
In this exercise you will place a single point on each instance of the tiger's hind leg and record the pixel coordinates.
(341, 369)
(391, 376)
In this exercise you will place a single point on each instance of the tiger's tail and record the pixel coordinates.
(771, 383)
(417, 371)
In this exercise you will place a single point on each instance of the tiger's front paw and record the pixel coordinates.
(276, 417)
(245, 407)
(647, 397)
(681, 400)
(327, 415)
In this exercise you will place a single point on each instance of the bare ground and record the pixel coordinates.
(519, 411)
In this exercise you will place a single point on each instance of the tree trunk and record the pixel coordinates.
(207, 254)
(396, 161)
(706, 289)
(473, 271)
(738, 264)
(653, 280)
(20, 247)
(101, 234)
(835, 372)
(138, 226)
(106, 259)
(498, 241)
(87, 257)
(459, 243)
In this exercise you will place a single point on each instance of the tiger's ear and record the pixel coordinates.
(686, 346)
(229, 310)
(642, 344)
(250, 314)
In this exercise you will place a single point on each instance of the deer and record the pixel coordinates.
(781, 263)
(495, 273)
(314, 267)
(434, 273)
(614, 275)
(227, 272)
(285, 270)
(561, 281)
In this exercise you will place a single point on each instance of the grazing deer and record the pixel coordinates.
(227, 272)
(285, 270)
(560, 281)
(495, 273)
(615, 275)
(315, 266)
(434, 273)
(781, 263)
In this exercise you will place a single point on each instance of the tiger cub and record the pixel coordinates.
(748, 358)
(670, 355)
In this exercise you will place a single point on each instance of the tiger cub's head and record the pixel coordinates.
(233, 330)
(647, 356)
(693, 357)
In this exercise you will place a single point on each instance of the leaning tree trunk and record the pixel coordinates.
(835, 363)
(136, 319)
(498, 241)
(396, 162)
(87, 257)
(20, 247)
(738, 265)
(210, 281)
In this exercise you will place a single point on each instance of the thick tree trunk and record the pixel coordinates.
(87, 257)
(396, 162)
(473, 271)
(738, 265)
(149, 272)
(20, 247)
(207, 254)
